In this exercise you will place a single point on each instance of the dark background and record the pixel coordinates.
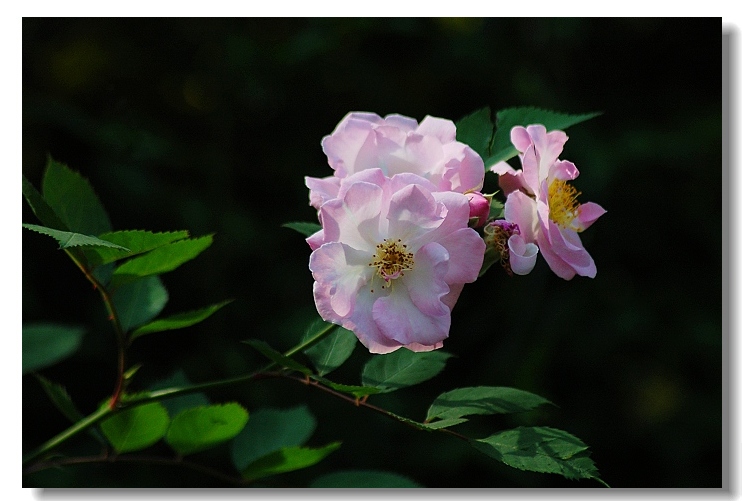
(210, 125)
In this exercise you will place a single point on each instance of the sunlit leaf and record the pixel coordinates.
(161, 260)
(287, 459)
(476, 130)
(269, 430)
(139, 301)
(178, 321)
(45, 344)
(445, 423)
(540, 449)
(483, 400)
(277, 357)
(136, 428)
(69, 239)
(306, 229)
(40, 208)
(73, 200)
(402, 368)
(134, 241)
(201, 428)
(363, 479)
(330, 353)
(356, 391)
(501, 147)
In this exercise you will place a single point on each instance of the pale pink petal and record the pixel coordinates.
(520, 138)
(548, 146)
(466, 253)
(354, 219)
(399, 319)
(563, 170)
(443, 129)
(567, 244)
(453, 295)
(316, 239)
(412, 213)
(341, 270)
(417, 347)
(425, 282)
(464, 168)
(521, 210)
(522, 255)
(321, 189)
(407, 124)
(362, 324)
(509, 179)
(350, 149)
(589, 212)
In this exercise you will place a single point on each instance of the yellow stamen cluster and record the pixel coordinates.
(563, 204)
(392, 259)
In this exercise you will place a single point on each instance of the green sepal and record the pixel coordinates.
(69, 239)
(179, 320)
(200, 428)
(305, 228)
(402, 368)
(136, 428)
(287, 459)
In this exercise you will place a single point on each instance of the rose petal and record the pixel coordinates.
(522, 255)
(341, 271)
(425, 282)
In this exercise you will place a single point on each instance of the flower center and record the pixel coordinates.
(563, 204)
(496, 235)
(392, 259)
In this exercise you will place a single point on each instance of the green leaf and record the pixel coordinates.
(402, 368)
(540, 449)
(332, 351)
(278, 358)
(201, 428)
(497, 209)
(269, 430)
(363, 479)
(134, 241)
(139, 301)
(69, 239)
(40, 208)
(179, 320)
(306, 229)
(175, 405)
(483, 400)
(445, 423)
(45, 344)
(287, 459)
(136, 428)
(73, 200)
(476, 130)
(161, 260)
(501, 147)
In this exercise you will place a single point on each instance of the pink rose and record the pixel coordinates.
(397, 144)
(542, 202)
(392, 258)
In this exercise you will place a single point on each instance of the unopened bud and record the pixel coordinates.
(479, 208)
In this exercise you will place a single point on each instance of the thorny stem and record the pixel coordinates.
(113, 316)
(165, 393)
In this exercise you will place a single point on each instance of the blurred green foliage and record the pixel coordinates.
(210, 125)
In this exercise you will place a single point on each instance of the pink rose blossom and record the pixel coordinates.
(544, 205)
(397, 144)
(392, 258)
